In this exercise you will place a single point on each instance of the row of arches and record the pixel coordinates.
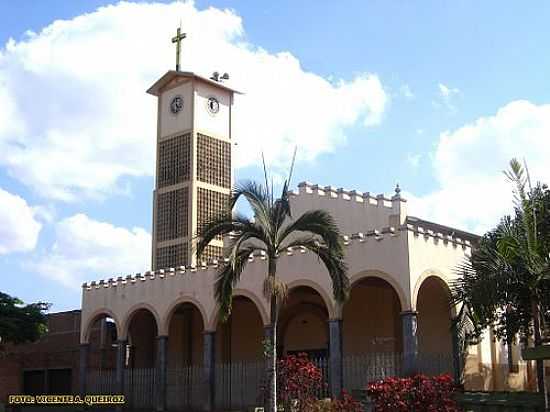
(371, 323)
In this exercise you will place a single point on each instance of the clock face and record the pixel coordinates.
(176, 105)
(213, 105)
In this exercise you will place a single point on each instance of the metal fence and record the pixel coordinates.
(238, 384)
(101, 382)
(323, 364)
(140, 388)
(435, 363)
(185, 388)
(361, 369)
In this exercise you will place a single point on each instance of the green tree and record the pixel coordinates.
(505, 284)
(20, 323)
(272, 231)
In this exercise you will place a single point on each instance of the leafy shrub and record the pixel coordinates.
(345, 404)
(419, 393)
(298, 382)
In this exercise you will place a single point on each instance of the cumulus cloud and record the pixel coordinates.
(86, 249)
(469, 161)
(75, 119)
(19, 226)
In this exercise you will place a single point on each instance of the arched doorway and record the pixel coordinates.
(371, 318)
(303, 324)
(185, 357)
(141, 358)
(240, 365)
(434, 327)
(372, 333)
(102, 338)
(142, 333)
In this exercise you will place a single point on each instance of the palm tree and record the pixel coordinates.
(505, 284)
(272, 232)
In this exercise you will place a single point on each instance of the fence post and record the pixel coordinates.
(335, 358)
(410, 342)
(209, 370)
(162, 347)
(84, 349)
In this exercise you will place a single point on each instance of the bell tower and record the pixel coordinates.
(193, 164)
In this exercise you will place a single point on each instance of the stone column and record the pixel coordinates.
(120, 365)
(410, 342)
(457, 353)
(162, 363)
(335, 358)
(84, 349)
(209, 370)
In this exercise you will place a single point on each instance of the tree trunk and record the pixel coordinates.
(272, 362)
(272, 405)
(541, 384)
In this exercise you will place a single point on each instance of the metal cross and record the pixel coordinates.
(179, 37)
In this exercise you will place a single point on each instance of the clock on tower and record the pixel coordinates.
(193, 166)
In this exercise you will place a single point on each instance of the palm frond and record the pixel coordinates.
(228, 277)
(225, 224)
(316, 222)
(333, 260)
(258, 198)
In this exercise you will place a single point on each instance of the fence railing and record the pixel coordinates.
(140, 388)
(238, 384)
(101, 382)
(323, 364)
(435, 363)
(185, 388)
(361, 369)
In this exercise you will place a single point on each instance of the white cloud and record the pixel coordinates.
(87, 249)
(446, 97)
(446, 91)
(75, 119)
(469, 161)
(406, 92)
(19, 228)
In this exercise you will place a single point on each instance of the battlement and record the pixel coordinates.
(353, 210)
(442, 238)
(331, 192)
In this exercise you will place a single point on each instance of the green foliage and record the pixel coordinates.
(20, 323)
(505, 284)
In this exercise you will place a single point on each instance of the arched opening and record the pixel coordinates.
(102, 337)
(240, 367)
(239, 338)
(142, 333)
(434, 325)
(303, 324)
(371, 318)
(372, 333)
(185, 357)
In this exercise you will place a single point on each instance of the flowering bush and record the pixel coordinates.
(298, 382)
(419, 393)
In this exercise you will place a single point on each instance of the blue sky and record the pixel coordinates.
(437, 96)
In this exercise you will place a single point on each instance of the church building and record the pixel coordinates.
(173, 353)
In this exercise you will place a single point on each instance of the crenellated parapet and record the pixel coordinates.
(360, 238)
